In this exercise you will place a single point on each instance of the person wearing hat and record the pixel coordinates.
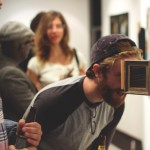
(9, 74)
(16, 89)
(32, 130)
(74, 113)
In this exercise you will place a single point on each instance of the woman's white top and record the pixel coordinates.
(51, 72)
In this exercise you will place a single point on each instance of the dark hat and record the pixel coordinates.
(107, 46)
(14, 30)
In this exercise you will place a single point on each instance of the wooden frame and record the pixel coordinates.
(119, 24)
(135, 77)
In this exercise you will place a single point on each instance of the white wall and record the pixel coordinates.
(115, 7)
(136, 119)
(76, 13)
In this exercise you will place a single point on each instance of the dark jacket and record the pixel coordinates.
(16, 89)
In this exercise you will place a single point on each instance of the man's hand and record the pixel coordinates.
(32, 131)
(12, 147)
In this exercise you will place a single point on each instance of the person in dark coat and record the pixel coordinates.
(16, 89)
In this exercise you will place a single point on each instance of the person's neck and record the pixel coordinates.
(91, 91)
(56, 50)
(56, 47)
(10, 59)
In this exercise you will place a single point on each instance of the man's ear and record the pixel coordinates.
(96, 70)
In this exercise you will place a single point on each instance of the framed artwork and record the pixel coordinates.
(119, 24)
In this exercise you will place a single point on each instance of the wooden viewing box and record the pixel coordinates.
(135, 77)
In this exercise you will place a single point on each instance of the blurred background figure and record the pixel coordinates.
(36, 20)
(54, 58)
(1, 3)
(142, 40)
(33, 129)
(33, 25)
(16, 89)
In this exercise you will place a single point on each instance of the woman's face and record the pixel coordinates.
(55, 31)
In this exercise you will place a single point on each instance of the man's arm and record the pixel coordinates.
(17, 91)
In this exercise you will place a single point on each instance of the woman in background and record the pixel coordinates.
(54, 59)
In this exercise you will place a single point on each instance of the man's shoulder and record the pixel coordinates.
(57, 89)
(65, 82)
(10, 71)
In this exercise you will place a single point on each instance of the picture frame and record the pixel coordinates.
(119, 24)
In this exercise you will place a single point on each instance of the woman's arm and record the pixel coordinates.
(35, 79)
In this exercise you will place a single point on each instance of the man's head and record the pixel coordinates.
(16, 40)
(107, 54)
(36, 20)
(112, 47)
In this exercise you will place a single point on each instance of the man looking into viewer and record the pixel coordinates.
(75, 112)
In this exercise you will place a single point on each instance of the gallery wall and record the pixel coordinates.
(136, 119)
